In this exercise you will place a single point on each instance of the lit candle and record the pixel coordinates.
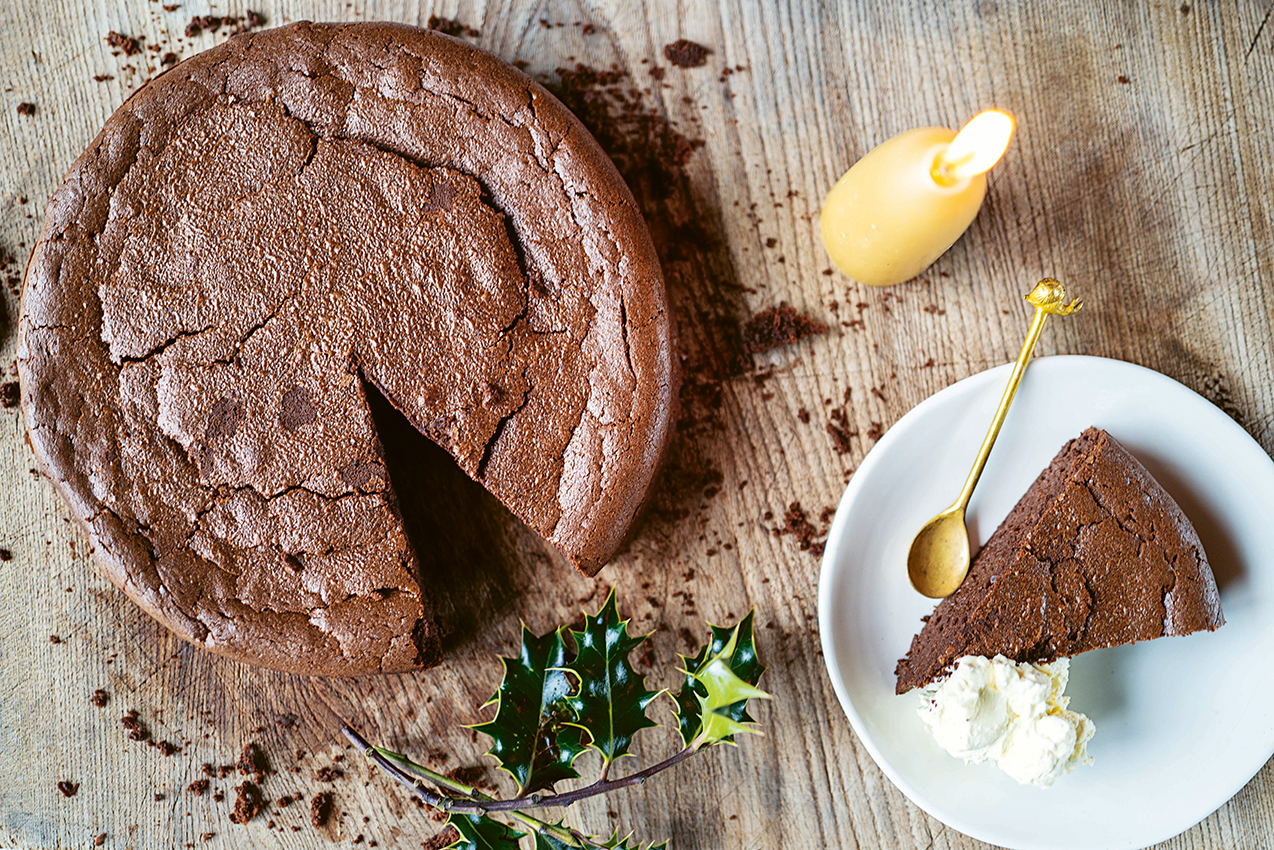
(906, 202)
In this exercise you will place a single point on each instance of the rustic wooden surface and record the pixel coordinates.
(1142, 173)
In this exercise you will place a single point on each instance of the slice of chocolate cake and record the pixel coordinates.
(1096, 554)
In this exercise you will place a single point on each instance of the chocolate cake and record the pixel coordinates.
(274, 232)
(1096, 554)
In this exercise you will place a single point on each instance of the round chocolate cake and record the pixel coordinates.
(275, 232)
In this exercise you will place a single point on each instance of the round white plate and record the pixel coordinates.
(1182, 722)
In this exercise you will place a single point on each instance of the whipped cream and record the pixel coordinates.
(1011, 714)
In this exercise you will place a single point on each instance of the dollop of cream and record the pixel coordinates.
(1011, 714)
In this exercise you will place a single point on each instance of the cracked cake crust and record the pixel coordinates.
(1096, 554)
(267, 232)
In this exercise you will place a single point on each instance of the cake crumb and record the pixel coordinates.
(328, 774)
(446, 838)
(26, 108)
(447, 26)
(686, 54)
(247, 803)
(778, 326)
(100, 839)
(126, 43)
(100, 698)
(798, 525)
(251, 761)
(320, 809)
(68, 788)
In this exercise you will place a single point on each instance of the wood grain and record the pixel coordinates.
(1153, 198)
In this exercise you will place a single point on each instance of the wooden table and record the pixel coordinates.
(1142, 174)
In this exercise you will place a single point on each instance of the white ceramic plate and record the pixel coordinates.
(1182, 722)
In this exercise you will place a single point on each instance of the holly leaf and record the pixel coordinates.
(720, 679)
(545, 840)
(617, 843)
(612, 698)
(529, 735)
(479, 832)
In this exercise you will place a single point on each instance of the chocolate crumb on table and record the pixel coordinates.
(320, 809)
(126, 43)
(100, 839)
(26, 108)
(686, 54)
(199, 787)
(137, 730)
(798, 525)
(168, 748)
(247, 803)
(10, 395)
(447, 26)
(100, 698)
(775, 327)
(252, 761)
(6, 555)
(68, 788)
(446, 838)
(328, 774)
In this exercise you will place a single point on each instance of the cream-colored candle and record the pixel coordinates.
(906, 202)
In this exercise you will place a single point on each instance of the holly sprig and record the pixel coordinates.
(555, 702)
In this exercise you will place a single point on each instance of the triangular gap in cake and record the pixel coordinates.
(454, 526)
(1095, 554)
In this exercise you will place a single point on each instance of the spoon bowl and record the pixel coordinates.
(939, 557)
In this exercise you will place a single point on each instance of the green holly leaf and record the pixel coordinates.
(546, 840)
(479, 832)
(617, 843)
(720, 679)
(689, 715)
(529, 734)
(612, 698)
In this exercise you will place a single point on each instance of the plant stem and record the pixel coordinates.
(407, 776)
(482, 804)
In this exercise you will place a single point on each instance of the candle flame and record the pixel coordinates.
(977, 147)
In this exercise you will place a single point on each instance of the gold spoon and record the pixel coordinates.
(939, 556)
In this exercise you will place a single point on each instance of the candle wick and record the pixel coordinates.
(942, 169)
